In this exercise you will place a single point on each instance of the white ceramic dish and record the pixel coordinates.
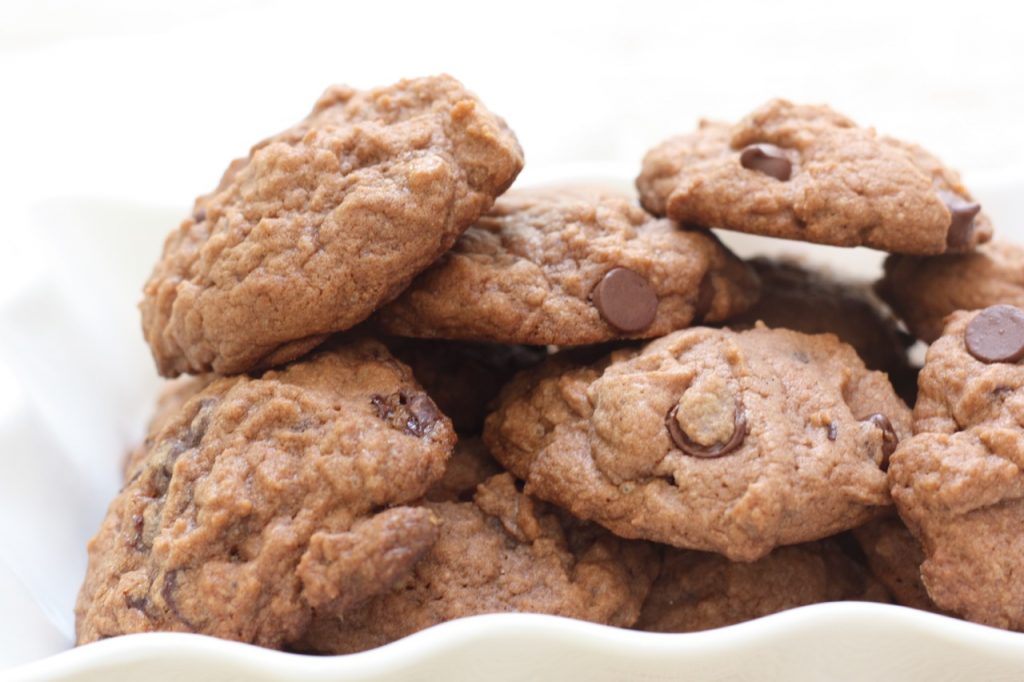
(76, 384)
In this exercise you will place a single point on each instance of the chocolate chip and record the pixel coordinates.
(683, 442)
(833, 431)
(705, 297)
(889, 438)
(996, 334)
(167, 592)
(767, 159)
(199, 216)
(625, 300)
(961, 224)
(414, 415)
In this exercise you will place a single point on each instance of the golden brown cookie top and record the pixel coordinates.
(571, 266)
(808, 173)
(261, 499)
(501, 552)
(324, 223)
(709, 439)
(700, 591)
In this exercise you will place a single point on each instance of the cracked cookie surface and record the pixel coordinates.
(324, 223)
(733, 442)
(262, 499)
(958, 483)
(571, 266)
(501, 552)
(699, 591)
(808, 173)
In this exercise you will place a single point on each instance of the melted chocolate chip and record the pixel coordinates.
(167, 592)
(833, 431)
(625, 300)
(683, 442)
(767, 159)
(961, 223)
(889, 438)
(137, 603)
(415, 415)
(199, 216)
(996, 334)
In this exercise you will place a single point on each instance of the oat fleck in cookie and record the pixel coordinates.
(500, 552)
(923, 291)
(569, 266)
(701, 591)
(809, 173)
(262, 499)
(958, 483)
(707, 439)
(324, 223)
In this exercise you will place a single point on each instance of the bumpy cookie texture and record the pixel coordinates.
(571, 266)
(895, 557)
(814, 302)
(263, 499)
(809, 173)
(701, 591)
(324, 223)
(958, 483)
(501, 552)
(923, 291)
(707, 439)
(463, 378)
(171, 398)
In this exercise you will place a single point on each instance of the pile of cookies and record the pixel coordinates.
(417, 394)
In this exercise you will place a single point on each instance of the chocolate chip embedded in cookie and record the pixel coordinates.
(923, 291)
(262, 499)
(700, 591)
(958, 483)
(501, 552)
(571, 266)
(895, 557)
(809, 173)
(324, 223)
(172, 396)
(814, 302)
(707, 439)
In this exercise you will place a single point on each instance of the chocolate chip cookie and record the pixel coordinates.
(809, 173)
(958, 483)
(470, 465)
(895, 557)
(501, 552)
(172, 396)
(262, 499)
(733, 442)
(813, 302)
(324, 223)
(923, 291)
(570, 266)
(701, 591)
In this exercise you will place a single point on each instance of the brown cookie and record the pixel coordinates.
(570, 266)
(895, 557)
(172, 396)
(814, 302)
(470, 465)
(809, 173)
(733, 442)
(463, 378)
(958, 483)
(262, 499)
(501, 552)
(324, 223)
(701, 591)
(923, 291)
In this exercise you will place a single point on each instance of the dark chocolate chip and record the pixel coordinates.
(961, 223)
(137, 603)
(683, 442)
(889, 438)
(199, 216)
(167, 592)
(705, 297)
(996, 334)
(833, 431)
(767, 159)
(414, 415)
(625, 300)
